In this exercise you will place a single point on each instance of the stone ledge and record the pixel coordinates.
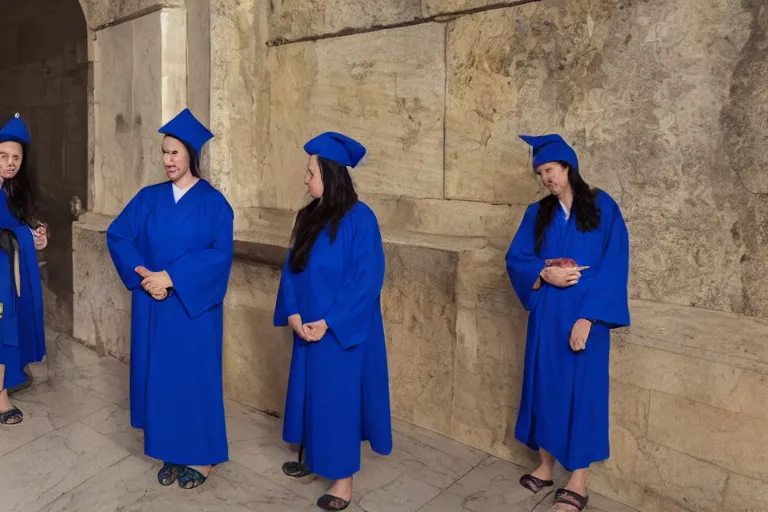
(715, 336)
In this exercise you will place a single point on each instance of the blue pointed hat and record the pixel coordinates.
(15, 130)
(187, 128)
(337, 147)
(551, 148)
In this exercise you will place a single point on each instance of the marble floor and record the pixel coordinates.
(76, 452)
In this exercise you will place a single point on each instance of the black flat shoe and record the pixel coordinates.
(534, 484)
(12, 416)
(568, 497)
(168, 474)
(297, 469)
(191, 478)
(328, 502)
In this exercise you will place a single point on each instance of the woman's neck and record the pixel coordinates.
(186, 181)
(566, 198)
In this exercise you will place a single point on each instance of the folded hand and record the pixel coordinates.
(316, 330)
(155, 283)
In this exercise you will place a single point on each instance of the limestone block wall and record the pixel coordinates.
(664, 101)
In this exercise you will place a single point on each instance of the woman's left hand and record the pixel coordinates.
(40, 236)
(154, 282)
(579, 334)
(315, 330)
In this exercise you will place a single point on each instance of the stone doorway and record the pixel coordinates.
(44, 73)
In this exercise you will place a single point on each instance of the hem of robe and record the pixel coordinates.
(567, 465)
(329, 475)
(186, 459)
(14, 367)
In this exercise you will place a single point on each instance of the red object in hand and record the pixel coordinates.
(561, 262)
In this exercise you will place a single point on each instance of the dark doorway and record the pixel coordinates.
(44, 76)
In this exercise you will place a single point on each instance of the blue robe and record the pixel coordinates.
(564, 403)
(338, 388)
(22, 335)
(176, 343)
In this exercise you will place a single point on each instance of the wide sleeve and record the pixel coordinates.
(352, 312)
(122, 239)
(607, 299)
(200, 278)
(286, 298)
(523, 265)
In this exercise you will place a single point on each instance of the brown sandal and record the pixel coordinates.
(534, 484)
(574, 499)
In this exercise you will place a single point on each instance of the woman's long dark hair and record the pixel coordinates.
(21, 195)
(338, 197)
(584, 209)
(194, 159)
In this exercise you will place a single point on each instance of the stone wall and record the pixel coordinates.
(44, 77)
(664, 101)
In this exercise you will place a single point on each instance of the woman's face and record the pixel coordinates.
(11, 156)
(554, 176)
(175, 158)
(313, 179)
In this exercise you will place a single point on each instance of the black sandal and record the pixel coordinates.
(574, 499)
(190, 478)
(168, 474)
(298, 469)
(329, 502)
(8, 417)
(534, 484)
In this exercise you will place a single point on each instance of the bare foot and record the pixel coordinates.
(5, 401)
(543, 472)
(342, 489)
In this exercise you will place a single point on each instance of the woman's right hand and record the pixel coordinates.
(561, 277)
(295, 322)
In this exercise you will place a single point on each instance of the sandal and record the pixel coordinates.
(534, 484)
(298, 469)
(329, 502)
(190, 478)
(10, 416)
(571, 498)
(169, 473)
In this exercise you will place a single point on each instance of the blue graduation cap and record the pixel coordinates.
(551, 148)
(187, 128)
(15, 130)
(337, 147)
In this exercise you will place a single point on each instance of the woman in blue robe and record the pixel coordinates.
(330, 295)
(22, 336)
(172, 247)
(564, 404)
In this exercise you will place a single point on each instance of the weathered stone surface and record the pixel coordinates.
(290, 20)
(100, 13)
(256, 355)
(718, 385)
(102, 312)
(745, 494)
(139, 84)
(629, 407)
(638, 88)
(419, 306)
(718, 337)
(383, 88)
(724, 438)
(689, 481)
(239, 100)
(456, 218)
(439, 7)
(488, 370)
